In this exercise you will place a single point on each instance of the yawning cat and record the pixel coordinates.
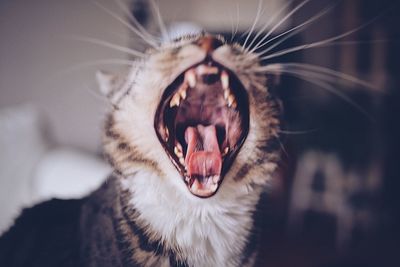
(192, 139)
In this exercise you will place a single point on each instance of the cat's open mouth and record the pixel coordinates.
(202, 121)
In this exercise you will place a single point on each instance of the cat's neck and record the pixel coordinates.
(201, 232)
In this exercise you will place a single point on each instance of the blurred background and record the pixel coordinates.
(335, 200)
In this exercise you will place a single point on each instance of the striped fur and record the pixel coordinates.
(165, 223)
(144, 215)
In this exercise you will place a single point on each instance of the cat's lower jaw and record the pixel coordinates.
(197, 232)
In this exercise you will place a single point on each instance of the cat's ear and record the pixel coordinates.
(106, 82)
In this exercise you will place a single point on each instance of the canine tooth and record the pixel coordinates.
(227, 92)
(191, 78)
(179, 146)
(234, 104)
(178, 152)
(182, 93)
(225, 80)
(226, 150)
(166, 134)
(175, 101)
(231, 98)
(182, 161)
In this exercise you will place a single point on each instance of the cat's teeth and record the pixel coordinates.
(176, 99)
(234, 103)
(178, 152)
(190, 76)
(204, 69)
(182, 93)
(231, 101)
(182, 161)
(227, 92)
(179, 146)
(166, 134)
(225, 80)
(226, 150)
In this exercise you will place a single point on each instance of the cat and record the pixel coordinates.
(192, 137)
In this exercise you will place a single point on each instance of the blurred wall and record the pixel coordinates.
(37, 55)
(39, 61)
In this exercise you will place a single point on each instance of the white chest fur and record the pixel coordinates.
(208, 232)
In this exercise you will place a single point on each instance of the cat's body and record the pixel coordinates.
(104, 230)
(157, 210)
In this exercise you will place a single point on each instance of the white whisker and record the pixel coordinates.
(232, 21)
(283, 148)
(322, 72)
(259, 11)
(95, 63)
(279, 23)
(308, 77)
(297, 132)
(57, 74)
(270, 21)
(160, 21)
(133, 20)
(333, 73)
(295, 30)
(150, 42)
(237, 21)
(315, 44)
(107, 44)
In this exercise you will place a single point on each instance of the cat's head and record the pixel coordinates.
(197, 113)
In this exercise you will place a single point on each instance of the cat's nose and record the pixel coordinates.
(209, 43)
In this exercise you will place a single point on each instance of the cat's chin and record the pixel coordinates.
(202, 121)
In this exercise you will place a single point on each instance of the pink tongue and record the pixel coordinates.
(203, 157)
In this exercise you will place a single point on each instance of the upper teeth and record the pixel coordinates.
(166, 134)
(178, 152)
(190, 77)
(231, 101)
(229, 97)
(204, 69)
(190, 80)
(226, 150)
(227, 92)
(176, 99)
(182, 93)
(225, 80)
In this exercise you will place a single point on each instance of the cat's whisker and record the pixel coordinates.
(160, 21)
(288, 132)
(332, 73)
(278, 24)
(237, 22)
(150, 42)
(94, 63)
(283, 148)
(278, 13)
(100, 42)
(320, 72)
(232, 27)
(308, 77)
(321, 43)
(294, 30)
(259, 12)
(133, 20)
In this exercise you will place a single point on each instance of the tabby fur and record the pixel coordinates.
(144, 214)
